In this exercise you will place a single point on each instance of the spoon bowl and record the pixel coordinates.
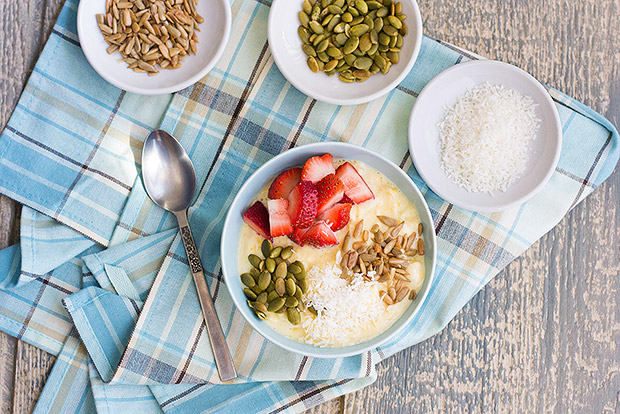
(167, 172)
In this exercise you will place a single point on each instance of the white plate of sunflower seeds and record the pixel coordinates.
(367, 46)
(151, 47)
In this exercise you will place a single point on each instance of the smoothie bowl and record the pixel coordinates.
(328, 250)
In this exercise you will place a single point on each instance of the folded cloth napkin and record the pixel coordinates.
(132, 336)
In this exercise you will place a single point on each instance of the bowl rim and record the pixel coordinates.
(100, 69)
(446, 195)
(352, 101)
(264, 330)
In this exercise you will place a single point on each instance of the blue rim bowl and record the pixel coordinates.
(264, 175)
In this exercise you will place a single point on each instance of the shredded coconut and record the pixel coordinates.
(484, 137)
(344, 307)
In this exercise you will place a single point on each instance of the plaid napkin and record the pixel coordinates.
(124, 321)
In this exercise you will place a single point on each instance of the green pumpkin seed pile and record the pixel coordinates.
(354, 38)
(274, 284)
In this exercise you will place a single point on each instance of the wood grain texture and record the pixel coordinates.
(544, 335)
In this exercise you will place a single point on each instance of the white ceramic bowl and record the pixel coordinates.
(442, 92)
(285, 46)
(264, 175)
(213, 36)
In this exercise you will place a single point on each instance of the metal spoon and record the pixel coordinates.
(170, 181)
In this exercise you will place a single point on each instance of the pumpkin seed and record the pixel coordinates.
(301, 275)
(280, 287)
(304, 34)
(395, 21)
(275, 252)
(249, 294)
(316, 27)
(276, 304)
(270, 265)
(266, 247)
(346, 17)
(290, 301)
(293, 316)
(312, 64)
(248, 280)
(390, 30)
(380, 61)
(304, 19)
(350, 45)
(365, 42)
(280, 271)
(287, 252)
(307, 7)
(259, 306)
(298, 293)
(393, 56)
(263, 280)
(272, 295)
(313, 310)
(359, 29)
(308, 50)
(303, 285)
(262, 298)
(254, 260)
(290, 287)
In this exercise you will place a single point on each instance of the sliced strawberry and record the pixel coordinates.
(318, 167)
(320, 235)
(330, 191)
(257, 218)
(302, 204)
(283, 184)
(279, 221)
(346, 199)
(336, 217)
(298, 235)
(354, 185)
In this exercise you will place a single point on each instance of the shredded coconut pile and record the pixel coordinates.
(484, 137)
(344, 307)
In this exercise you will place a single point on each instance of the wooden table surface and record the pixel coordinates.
(544, 336)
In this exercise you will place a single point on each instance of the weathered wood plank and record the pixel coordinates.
(7, 371)
(31, 371)
(25, 27)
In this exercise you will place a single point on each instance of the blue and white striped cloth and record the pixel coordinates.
(100, 278)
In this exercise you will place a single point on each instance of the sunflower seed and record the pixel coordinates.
(388, 221)
(412, 295)
(359, 227)
(402, 277)
(402, 293)
(388, 247)
(358, 245)
(421, 247)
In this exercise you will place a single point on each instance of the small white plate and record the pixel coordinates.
(441, 93)
(213, 36)
(285, 46)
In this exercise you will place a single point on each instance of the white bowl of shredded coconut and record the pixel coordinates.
(485, 135)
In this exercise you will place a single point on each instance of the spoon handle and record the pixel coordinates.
(221, 354)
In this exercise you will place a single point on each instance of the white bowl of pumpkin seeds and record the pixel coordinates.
(161, 51)
(345, 52)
